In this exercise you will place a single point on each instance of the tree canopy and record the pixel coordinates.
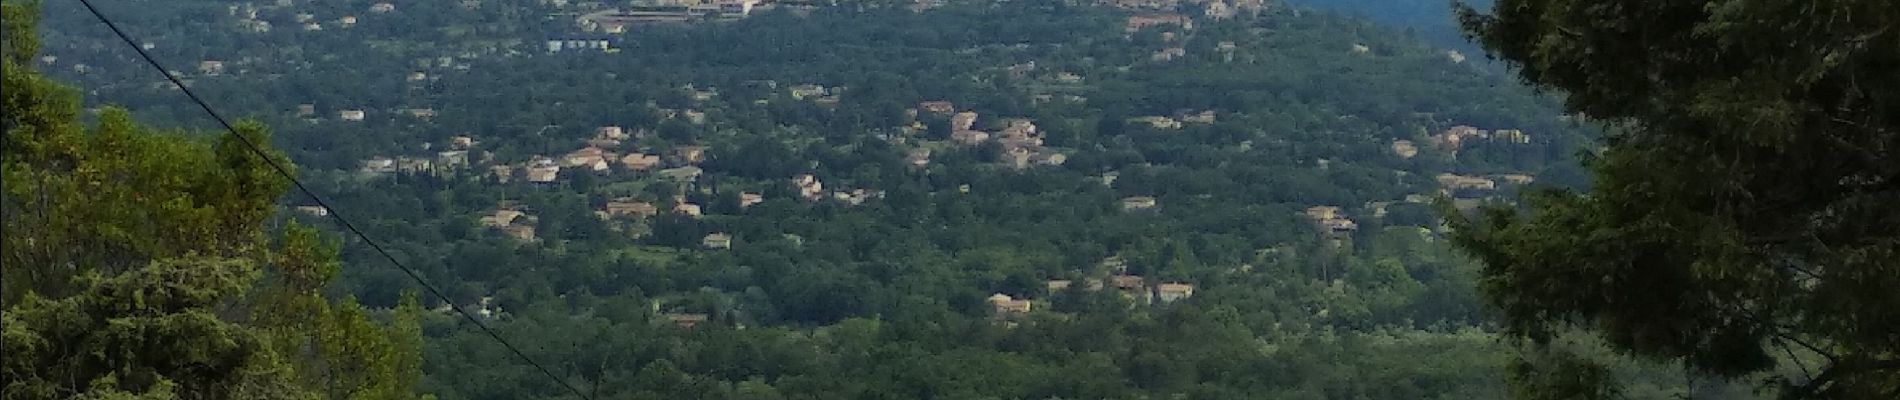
(140, 264)
(1740, 218)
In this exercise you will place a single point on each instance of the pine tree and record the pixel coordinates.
(1741, 219)
(126, 250)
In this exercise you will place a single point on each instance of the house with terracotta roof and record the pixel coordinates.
(1171, 292)
(1005, 306)
(543, 173)
(809, 187)
(211, 67)
(523, 233)
(690, 154)
(687, 209)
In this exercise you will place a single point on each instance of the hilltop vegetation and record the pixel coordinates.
(1159, 203)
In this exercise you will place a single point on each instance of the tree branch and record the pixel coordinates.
(1836, 372)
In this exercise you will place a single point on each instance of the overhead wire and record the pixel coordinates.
(332, 211)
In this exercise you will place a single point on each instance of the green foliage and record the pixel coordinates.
(130, 255)
(884, 299)
(1739, 220)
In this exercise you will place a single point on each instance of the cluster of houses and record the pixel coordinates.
(510, 220)
(1135, 288)
(247, 15)
(1454, 138)
(810, 188)
(1021, 142)
(1329, 220)
(1178, 120)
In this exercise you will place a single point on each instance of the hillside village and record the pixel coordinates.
(624, 154)
(1211, 187)
(616, 153)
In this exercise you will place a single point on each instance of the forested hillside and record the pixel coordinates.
(971, 199)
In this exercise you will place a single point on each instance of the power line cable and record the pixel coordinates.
(320, 203)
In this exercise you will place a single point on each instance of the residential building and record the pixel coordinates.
(1322, 212)
(1203, 117)
(969, 137)
(963, 121)
(1127, 282)
(918, 158)
(610, 132)
(628, 207)
(502, 173)
(687, 209)
(1157, 122)
(591, 158)
(1517, 179)
(717, 241)
(318, 211)
(1139, 203)
(462, 142)
(937, 107)
(452, 159)
(1006, 306)
(1168, 54)
(1404, 148)
(1137, 23)
(211, 67)
(1171, 292)
(501, 218)
(1511, 136)
(640, 162)
(350, 115)
(1457, 182)
(382, 7)
(801, 92)
(306, 110)
(748, 199)
(1057, 285)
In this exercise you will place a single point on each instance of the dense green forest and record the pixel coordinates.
(1009, 199)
